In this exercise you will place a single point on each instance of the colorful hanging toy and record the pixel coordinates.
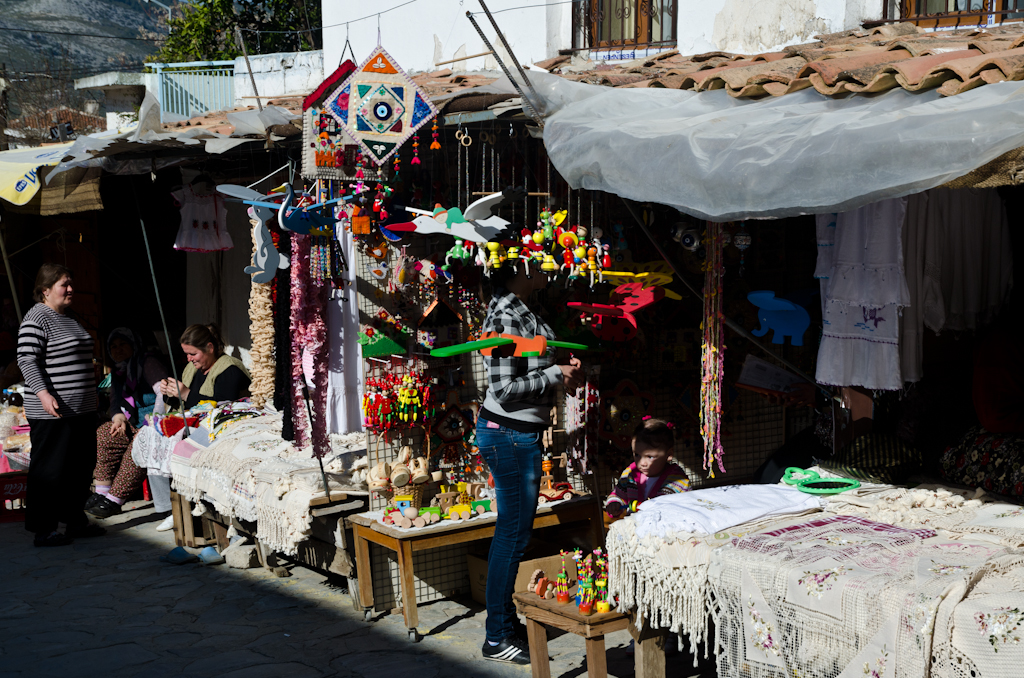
(435, 145)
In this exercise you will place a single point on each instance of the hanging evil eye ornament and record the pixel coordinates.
(742, 241)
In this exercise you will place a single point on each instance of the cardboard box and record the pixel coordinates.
(551, 565)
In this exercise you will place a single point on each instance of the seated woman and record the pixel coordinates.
(210, 374)
(134, 392)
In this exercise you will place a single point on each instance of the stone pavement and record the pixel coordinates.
(108, 607)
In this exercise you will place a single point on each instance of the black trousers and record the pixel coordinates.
(60, 472)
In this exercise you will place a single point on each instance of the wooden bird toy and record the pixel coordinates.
(615, 321)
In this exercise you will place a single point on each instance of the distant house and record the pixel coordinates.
(34, 128)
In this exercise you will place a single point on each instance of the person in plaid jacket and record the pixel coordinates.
(515, 412)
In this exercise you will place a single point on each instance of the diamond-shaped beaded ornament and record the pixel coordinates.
(380, 106)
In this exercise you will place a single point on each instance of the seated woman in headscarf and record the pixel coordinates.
(134, 392)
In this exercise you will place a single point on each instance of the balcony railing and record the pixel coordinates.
(952, 13)
(624, 24)
(192, 88)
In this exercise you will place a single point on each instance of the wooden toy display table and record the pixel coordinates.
(541, 612)
(367, 527)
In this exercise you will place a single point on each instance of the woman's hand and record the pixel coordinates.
(573, 375)
(171, 388)
(49, 403)
(118, 424)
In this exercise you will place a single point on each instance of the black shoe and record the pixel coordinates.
(93, 500)
(510, 651)
(52, 539)
(105, 508)
(86, 531)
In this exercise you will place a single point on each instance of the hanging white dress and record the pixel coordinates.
(204, 222)
(864, 289)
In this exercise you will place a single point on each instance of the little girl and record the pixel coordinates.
(651, 474)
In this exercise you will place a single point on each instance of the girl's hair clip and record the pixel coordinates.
(670, 425)
(647, 417)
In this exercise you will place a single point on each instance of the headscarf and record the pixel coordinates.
(127, 376)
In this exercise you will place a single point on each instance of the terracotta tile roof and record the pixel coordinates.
(217, 121)
(866, 61)
(80, 122)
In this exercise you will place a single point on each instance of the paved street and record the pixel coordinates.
(109, 607)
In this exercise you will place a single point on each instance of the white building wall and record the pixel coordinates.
(429, 31)
(278, 74)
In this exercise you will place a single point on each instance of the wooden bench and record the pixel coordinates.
(540, 612)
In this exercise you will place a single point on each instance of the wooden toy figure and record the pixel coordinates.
(562, 582)
(585, 593)
(602, 603)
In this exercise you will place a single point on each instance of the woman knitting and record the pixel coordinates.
(134, 392)
(211, 374)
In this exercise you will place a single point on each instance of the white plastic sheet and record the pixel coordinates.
(717, 157)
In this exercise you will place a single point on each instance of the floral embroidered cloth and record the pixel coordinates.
(836, 597)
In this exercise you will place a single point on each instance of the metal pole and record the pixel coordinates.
(248, 66)
(10, 277)
(530, 110)
(508, 50)
(735, 327)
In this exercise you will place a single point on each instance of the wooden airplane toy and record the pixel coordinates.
(615, 321)
(525, 347)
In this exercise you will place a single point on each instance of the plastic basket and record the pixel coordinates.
(13, 487)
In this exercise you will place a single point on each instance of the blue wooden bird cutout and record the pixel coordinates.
(299, 219)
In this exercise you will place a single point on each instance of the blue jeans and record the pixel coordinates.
(514, 460)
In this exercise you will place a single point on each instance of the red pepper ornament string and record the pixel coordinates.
(712, 353)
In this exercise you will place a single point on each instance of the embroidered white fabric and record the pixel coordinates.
(816, 599)
(249, 472)
(718, 508)
(152, 451)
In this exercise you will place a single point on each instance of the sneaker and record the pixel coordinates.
(52, 539)
(105, 508)
(166, 524)
(511, 651)
(93, 500)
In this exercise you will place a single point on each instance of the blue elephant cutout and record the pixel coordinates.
(783, 317)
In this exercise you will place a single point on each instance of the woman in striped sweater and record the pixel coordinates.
(55, 356)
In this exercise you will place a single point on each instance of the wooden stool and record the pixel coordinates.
(541, 612)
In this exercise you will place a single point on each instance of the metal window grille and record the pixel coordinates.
(598, 24)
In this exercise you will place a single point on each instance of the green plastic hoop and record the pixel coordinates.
(843, 484)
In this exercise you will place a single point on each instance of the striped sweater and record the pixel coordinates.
(55, 354)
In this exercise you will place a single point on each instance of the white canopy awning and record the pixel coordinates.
(721, 158)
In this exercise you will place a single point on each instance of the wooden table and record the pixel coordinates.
(367, 527)
(541, 612)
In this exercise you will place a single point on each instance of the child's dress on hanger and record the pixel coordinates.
(204, 224)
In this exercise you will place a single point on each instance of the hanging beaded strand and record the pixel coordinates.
(435, 145)
(712, 353)
(415, 150)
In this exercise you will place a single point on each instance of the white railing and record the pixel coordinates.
(193, 88)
